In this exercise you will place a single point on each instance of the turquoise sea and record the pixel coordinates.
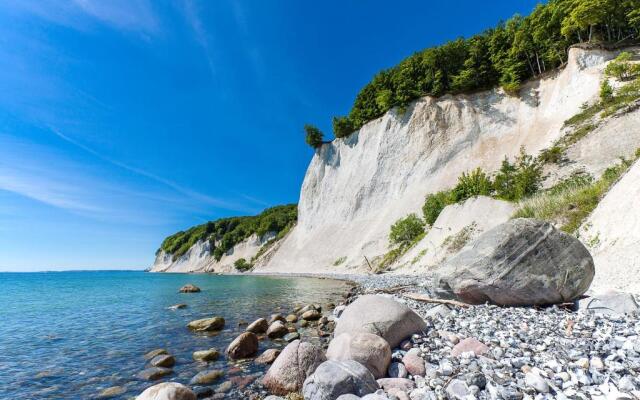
(69, 335)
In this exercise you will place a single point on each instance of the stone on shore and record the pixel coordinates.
(154, 373)
(292, 318)
(206, 377)
(112, 391)
(469, 345)
(414, 364)
(167, 391)
(382, 316)
(289, 371)
(520, 262)
(368, 349)
(404, 384)
(245, 345)
(277, 330)
(206, 355)
(276, 317)
(189, 288)
(163, 360)
(207, 324)
(258, 326)
(268, 356)
(334, 378)
(609, 303)
(290, 337)
(311, 315)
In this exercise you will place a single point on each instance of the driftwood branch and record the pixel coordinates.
(423, 298)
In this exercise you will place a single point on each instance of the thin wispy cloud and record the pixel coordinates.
(192, 194)
(191, 14)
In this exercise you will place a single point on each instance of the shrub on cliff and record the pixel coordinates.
(405, 230)
(621, 68)
(314, 136)
(242, 265)
(434, 204)
(518, 180)
(474, 183)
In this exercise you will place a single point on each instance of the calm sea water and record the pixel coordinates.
(69, 335)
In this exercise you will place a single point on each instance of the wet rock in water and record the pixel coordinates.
(382, 316)
(206, 377)
(292, 318)
(268, 356)
(403, 384)
(211, 354)
(276, 317)
(288, 372)
(245, 345)
(469, 345)
(207, 324)
(258, 326)
(609, 303)
(224, 387)
(177, 306)
(304, 324)
(368, 349)
(202, 391)
(520, 262)
(189, 288)
(334, 378)
(163, 360)
(154, 353)
(154, 373)
(310, 307)
(311, 315)
(111, 392)
(290, 337)
(167, 391)
(277, 330)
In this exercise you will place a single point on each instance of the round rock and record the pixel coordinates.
(167, 391)
(368, 349)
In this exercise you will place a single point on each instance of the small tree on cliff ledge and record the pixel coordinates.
(314, 136)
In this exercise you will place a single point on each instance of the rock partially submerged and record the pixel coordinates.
(258, 326)
(206, 377)
(154, 373)
(245, 345)
(368, 349)
(163, 360)
(334, 378)
(189, 288)
(268, 356)
(167, 391)
(521, 262)
(277, 330)
(382, 316)
(289, 371)
(207, 324)
(206, 355)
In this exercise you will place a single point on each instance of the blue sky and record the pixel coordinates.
(123, 121)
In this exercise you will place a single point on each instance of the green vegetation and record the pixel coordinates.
(225, 233)
(314, 136)
(518, 180)
(621, 68)
(571, 201)
(507, 55)
(339, 261)
(475, 183)
(242, 265)
(406, 230)
(434, 204)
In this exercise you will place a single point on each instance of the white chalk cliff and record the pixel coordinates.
(355, 188)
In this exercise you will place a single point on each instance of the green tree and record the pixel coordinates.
(621, 67)
(314, 136)
(606, 91)
(405, 230)
(520, 179)
(342, 127)
(434, 204)
(475, 183)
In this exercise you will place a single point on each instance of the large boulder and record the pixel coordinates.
(334, 378)
(245, 345)
(167, 391)
(382, 316)
(520, 262)
(288, 372)
(368, 349)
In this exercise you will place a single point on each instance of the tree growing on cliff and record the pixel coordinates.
(405, 230)
(314, 136)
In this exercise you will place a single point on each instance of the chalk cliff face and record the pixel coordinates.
(199, 259)
(356, 187)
